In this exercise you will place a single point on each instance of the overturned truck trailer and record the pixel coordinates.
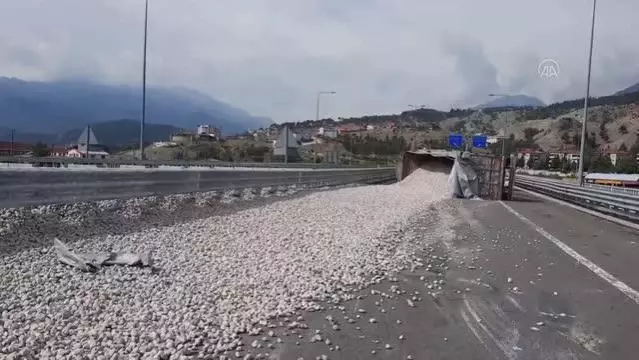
(472, 175)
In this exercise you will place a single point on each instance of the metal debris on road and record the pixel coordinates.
(92, 262)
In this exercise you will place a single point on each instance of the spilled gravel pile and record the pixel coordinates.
(21, 228)
(217, 277)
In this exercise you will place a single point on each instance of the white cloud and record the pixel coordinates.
(271, 56)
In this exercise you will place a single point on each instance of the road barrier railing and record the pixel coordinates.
(27, 188)
(117, 162)
(619, 204)
(614, 189)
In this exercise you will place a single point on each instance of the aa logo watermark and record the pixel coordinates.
(548, 69)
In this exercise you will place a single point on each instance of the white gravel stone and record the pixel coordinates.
(216, 277)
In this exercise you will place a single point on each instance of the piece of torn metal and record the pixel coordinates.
(93, 261)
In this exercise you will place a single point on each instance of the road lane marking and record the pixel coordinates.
(611, 279)
(582, 209)
(508, 339)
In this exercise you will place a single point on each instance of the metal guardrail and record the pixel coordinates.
(618, 204)
(26, 188)
(614, 189)
(117, 162)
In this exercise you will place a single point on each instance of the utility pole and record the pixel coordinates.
(143, 120)
(503, 145)
(88, 139)
(350, 161)
(13, 131)
(582, 148)
(317, 113)
(317, 106)
(285, 143)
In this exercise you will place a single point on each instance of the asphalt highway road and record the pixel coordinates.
(508, 292)
(24, 188)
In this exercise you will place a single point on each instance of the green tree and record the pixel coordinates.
(555, 163)
(458, 126)
(530, 162)
(521, 162)
(576, 140)
(603, 132)
(566, 123)
(623, 147)
(540, 163)
(627, 165)
(601, 163)
(529, 133)
(566, 166)
(40, 150)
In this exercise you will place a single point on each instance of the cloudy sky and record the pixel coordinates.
(270, 57)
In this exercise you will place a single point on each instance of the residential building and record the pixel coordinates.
(59, 151)
(572, 157)
(528, 154)
(182, 137)
(280, 149)
(568, 154)
(88, 147)
(330, 133)
(350, 128)
(8, 148)
(208, 130)
(163, 144)
(95, 152)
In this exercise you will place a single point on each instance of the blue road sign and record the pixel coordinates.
(480, 141)
(456, 141)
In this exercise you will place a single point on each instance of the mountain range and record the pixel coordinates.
(57, 107)
(512, 101)
(116, 133)
(629, 90)
(57, 112)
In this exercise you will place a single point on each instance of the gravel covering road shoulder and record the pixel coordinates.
(219, 277)
(36, 226)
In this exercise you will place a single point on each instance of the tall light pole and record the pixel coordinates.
(317, 112)
(503, 138)
(142, 121)
(13, 132)
(317, 105)
(286, 143)
(582, 148)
